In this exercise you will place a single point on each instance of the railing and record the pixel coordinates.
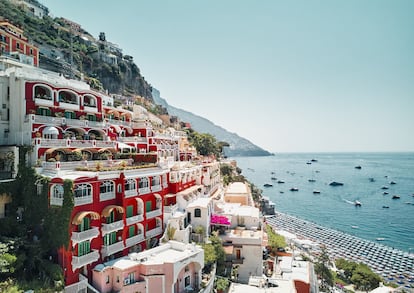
(56, 201)
(156, 188)
(154, 213)
(80, 261)
(112, 227)
(106, 196)
(85, 235)
(143, 190)
(132, 139)
(83, 200)
(131, 192)
(134, 240)
(170, 209)
(153, 232)
(96, 124)
(134, 219)
(111, 249)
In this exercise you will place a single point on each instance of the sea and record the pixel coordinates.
(380, 218)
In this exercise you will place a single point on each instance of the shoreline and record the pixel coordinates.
(394, 265)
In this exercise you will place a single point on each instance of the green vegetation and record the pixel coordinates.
(274, 240)
(214, 253)
(358, 274)
(323, 271)
(230, 174)
(28, 237)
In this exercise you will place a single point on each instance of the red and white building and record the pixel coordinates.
(124, 172)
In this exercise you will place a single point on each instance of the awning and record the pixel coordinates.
(107, 150)
(51, 130)
(77, 219)
(107, 210)
(169, 195)
(122, 146)
(63, 150)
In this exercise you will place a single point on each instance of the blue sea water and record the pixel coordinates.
(334, 206)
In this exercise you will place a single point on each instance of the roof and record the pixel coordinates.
(237, 187)
(200, 202)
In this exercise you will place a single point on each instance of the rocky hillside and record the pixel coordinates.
(239, 146)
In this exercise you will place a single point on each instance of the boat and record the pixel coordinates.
(385, 207)
(334, 183)
(393, 182)
(354, 227)
(272, 172)
(294, 189)
(357, 203)
(395, 197)
(273, 178)
(380, 239)
(385, 187)
(308, 162)
(316, 192)
(358, 167)
(385, 192)
(371, 179)
(314, 160)
(267, 185)
(280, 181)
(311, 180)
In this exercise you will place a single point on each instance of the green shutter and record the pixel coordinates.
(148, 206)
(131, 231)
(129, 211)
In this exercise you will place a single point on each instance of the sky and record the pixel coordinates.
(290, 76)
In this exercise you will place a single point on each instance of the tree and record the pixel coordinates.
(323, 271)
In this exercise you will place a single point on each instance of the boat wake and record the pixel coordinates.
(350, 202)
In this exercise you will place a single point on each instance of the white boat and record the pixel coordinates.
(357, 203)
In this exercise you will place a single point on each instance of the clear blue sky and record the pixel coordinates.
(291, 76)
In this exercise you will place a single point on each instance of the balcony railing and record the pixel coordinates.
(106, 196)
(80, 286)
(56, 201)
(144, 190)
(134, 219)
(111, 249)
(112, 227)
(134, 240)
(154, 213)
(131, 192)
(85, 235)
(156, 188)
(153, 232)
(170, 209)
(80, 261)
(83, 200)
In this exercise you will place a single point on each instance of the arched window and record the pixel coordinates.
(42, 92)
(156, 180)
(143, 182)
(57, 191)
(83, 190)
(130, 184)
(107, 190)
(89, 101)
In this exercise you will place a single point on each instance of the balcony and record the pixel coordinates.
(154, 213)
(83, 200)
(170, 209)
(144, 190)
(134, 219)
(130, 193)
(111, 249)
(154, 232)
(112, 227)
(156, 188)
(44, 101)
(80, 261)
(134, 240)
(56, 201)
(84, 235)
(106, 196)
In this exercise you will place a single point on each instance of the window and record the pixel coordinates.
(148, 206)
(70, 115)
(31, 51)
(143, 182)
(84, 248)
(57, 191)
(18, 45)
(107, 280)
(109, 239)
(83, 190)
(130, 184)
(187, 281)
(85, 224)
(129, 211)
(197, 213)
(156, 181)
(131, 231)
(107, 187)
